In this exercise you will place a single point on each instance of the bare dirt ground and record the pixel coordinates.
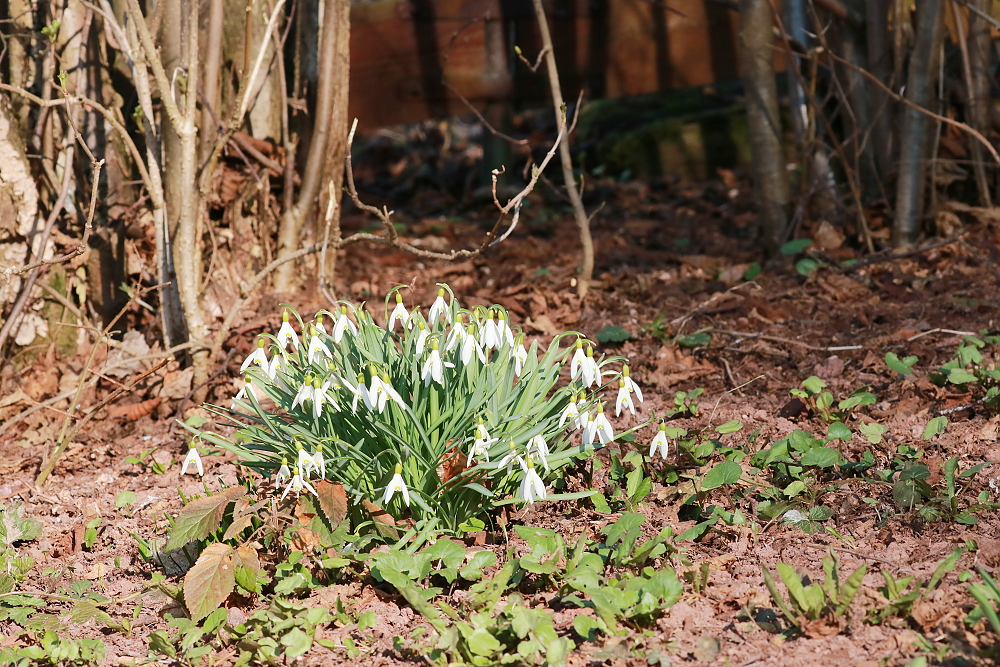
(671, 261)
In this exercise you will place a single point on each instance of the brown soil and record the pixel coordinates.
(779, 328)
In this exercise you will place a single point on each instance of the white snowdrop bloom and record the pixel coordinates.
(532, 486)
(303, 461)
(571, 413)
(589, 430)
(343, 325)
(298, 484)
(481, 445)
(283, 473)
(320, 325)
(318, 462)
(248, 388)
(630, 384)
(258, 357)
(399, 314)
(489, 337)
(438, 309)
(277, 364)
(660, 443)
(396, 484)
(359, 392)
(318, 396)
(794, 516)
(471, 346)
(541, 449)
(304, 392)
(520, 355)
(576, 365)
(317, 349)
(510, 458)
(421, 337)
(456, 336)
(504, 331)
(624, 400)
(379, 393)
(591, 373)
(331, 383)
(433, 367)
(602, 427)
(286, 334)
(193, 459)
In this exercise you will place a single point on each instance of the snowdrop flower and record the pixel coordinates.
(630, 384)
(660, 443)
(438, 308)
(421, 337)
(342, 325)
(433, 367)
(624, 400)
(331, 383)
(303, 462)
(247, 389)
(258, 357)
(541, 449)
(318, 462)
(520, 355)
(576, 365)
(318, 395)
(304, 392)
(399, 313)
(532, 487)
(396, 484)
(602, 427)
(589, 430)
(283, 473)
(317, 348)
(589, 369)
(571, 413)
(193, 459)
(379, 393)
(504, 330)
(319, 323)
(277, 364)
(298, 484)
(360, 392)
(489, 337)
(286, 334)
(510, 459)
(482, 443)
(470, 345)
(457, 334)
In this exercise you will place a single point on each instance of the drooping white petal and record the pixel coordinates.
(660, 443)
(317, 349)
(602, 428)
(258, 356)
(630, 383)
(433, 367)
(469, 346)
(456, 336)
(422, 339)
(576, 365)
(399, 314)
(343, 325)
(298, 484)
(438, 309)
(532, 487)
(193, 459)
(283, 473)
(624, 400)
(396, 484)
(571, 414)
(286, 334)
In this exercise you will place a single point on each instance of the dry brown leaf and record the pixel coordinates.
(333, 501)
(828, 237)
(384, 522)
(134, 411)
(542, 324)
(828, 626)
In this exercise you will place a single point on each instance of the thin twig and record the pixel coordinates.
(486, 124)
(744, 335)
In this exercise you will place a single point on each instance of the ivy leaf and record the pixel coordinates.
(210, 581)
(730, 427)
(613, 334)
(480, 560)
(960, 376)
(935, 427)
(813, 384)
(201, 517)
(724, 473)
(901, 366)
(872, 431)
(821, 457)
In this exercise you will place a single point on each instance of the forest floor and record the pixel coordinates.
(671, 262)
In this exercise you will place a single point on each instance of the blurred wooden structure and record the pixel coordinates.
(406, 53)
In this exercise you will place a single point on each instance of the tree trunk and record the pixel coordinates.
(859, 96)
(880, 64)
(769, 173)
(915, 135)
(331, 102)
(979, 90)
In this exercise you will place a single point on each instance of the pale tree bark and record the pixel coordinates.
(914, 138)
(336, 27)
(579, 212)
(769, 174)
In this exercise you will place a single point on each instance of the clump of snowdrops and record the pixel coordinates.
(438, 417)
